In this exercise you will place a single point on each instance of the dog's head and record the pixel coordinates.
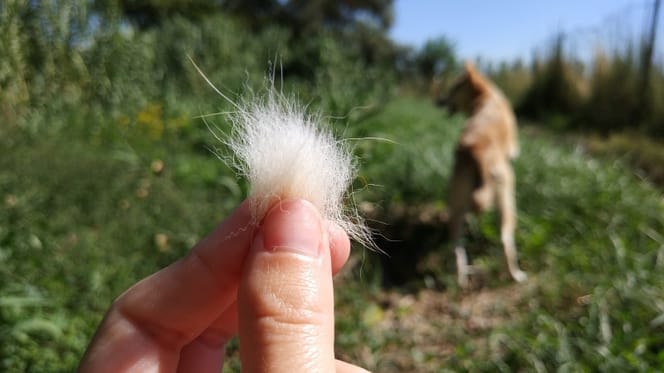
(463, 95)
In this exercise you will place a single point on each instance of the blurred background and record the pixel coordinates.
(108, 171)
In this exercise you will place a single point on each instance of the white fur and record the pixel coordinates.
(287, 153)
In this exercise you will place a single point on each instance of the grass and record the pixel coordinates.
(645, 154)
(82, 220)
(85, 214)
(591, 235)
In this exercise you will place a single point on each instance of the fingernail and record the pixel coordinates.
(292, 225)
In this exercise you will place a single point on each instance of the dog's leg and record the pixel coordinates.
(483, 197)
(463, 182)
(507, 207)
(484, 193)
(463, 269)
(457, 214)
(456, 237)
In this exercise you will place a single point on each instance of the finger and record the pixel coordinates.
(344, 367)
(206, 352)
(285, 300)
(339, 246)
(165, 311)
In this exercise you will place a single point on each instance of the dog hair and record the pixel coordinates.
(286, 153)
(483, 173)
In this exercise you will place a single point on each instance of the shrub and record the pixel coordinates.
(553, 90)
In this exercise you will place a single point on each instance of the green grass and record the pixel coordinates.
(645, 154)
(591, 235)
(79, 223)
(407, 152)
(82, 209)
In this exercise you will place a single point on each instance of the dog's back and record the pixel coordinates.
(491, 122)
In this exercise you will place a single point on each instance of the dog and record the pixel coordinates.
(483, 173)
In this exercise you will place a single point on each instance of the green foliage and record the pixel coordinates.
(436, 58)
(13, 65)
(404, 159)
(345, 86)
(514, 79)
(614, 99)
(76, 54)
(610, 95)
(552, 90)
(82, 215)
(435, 62)
(590, 236)
(599, 254)
(83, 219)
(39, 37)
(308, 18)
(646, 155)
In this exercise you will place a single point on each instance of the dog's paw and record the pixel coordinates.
(519, 276)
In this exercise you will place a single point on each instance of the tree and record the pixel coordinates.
(553, 90)
(436, 58)
(150, 13)
(302, 16)
(648, 49)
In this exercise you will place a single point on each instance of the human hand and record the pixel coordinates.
(272, 285)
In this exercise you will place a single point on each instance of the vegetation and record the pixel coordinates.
(106, 175)
(590, 237)
(607, 96)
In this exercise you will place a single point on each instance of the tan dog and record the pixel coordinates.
(483, 172)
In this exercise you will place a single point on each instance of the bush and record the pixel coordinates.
(614, 98)
(552, 91)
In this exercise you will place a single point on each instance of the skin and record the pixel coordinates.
(270, 284)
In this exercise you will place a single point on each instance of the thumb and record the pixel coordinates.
(286, 300)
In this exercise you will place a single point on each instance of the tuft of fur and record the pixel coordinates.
(286, 153)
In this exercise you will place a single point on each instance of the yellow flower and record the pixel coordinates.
(150, 120)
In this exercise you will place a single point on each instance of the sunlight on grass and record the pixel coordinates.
(82, 221)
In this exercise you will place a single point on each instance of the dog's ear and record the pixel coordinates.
(469, 67)
(476, 79)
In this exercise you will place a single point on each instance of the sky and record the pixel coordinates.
(500, 30)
